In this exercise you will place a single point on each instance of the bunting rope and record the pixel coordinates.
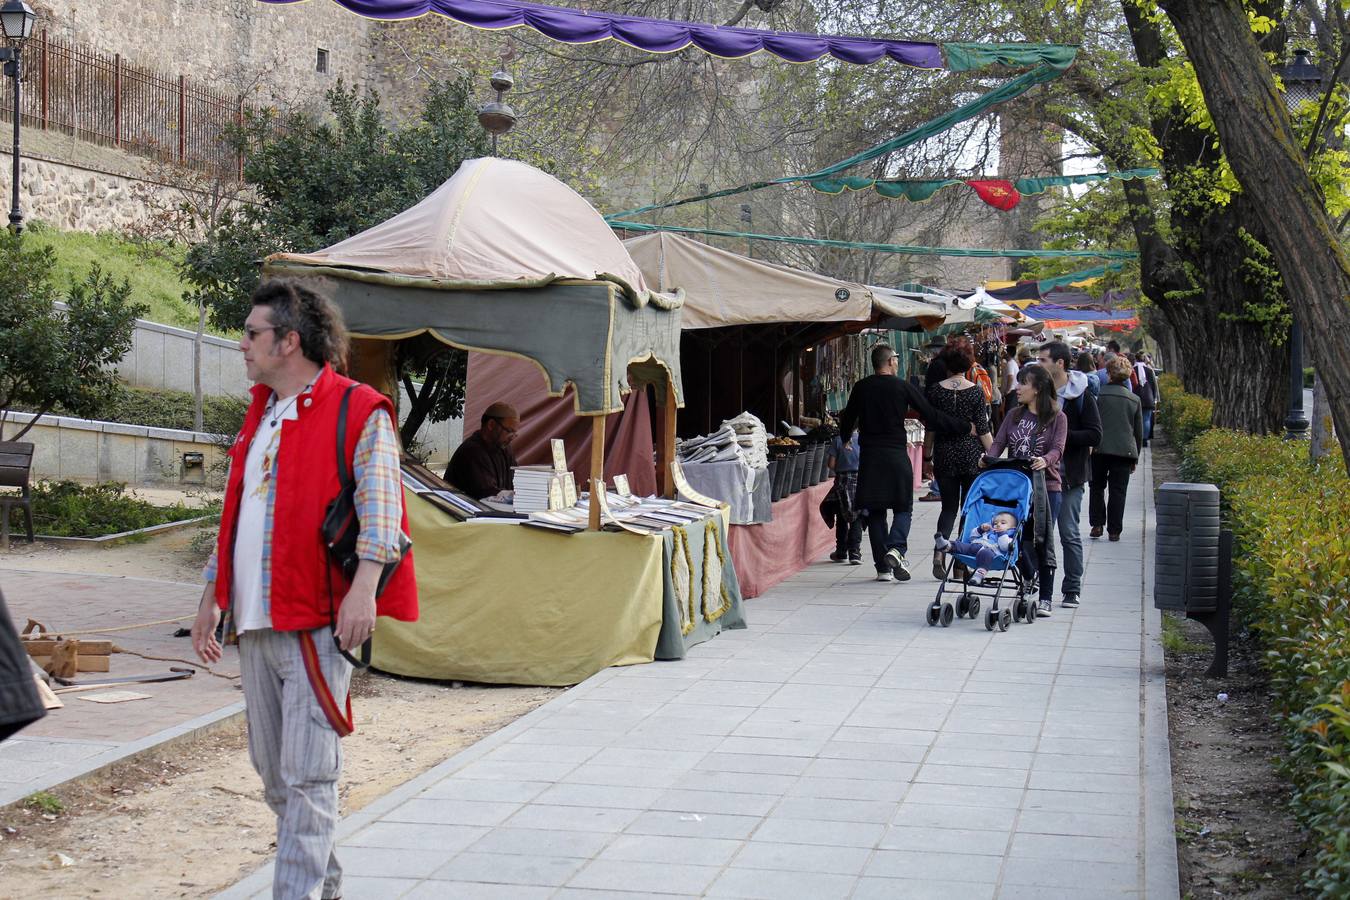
(923, 189)
(882, 248)
(575, 26)
(1009, 90)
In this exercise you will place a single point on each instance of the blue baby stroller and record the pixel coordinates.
(1005, 486)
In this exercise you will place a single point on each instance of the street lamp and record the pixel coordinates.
(1302, 83)
(16, 20)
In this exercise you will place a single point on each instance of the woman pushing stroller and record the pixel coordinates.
(1035, 431)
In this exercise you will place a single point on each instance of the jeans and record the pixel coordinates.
(1071, 539)
(1148, 426)
(1045, 557)
(848, 536)
(1111, 472)
(897, 538)
(953, 490)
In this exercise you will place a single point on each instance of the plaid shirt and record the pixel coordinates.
(379, 500)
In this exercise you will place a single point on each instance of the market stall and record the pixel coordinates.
(749, 328)
(505, 260)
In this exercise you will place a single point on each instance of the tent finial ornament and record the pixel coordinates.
(496, 116)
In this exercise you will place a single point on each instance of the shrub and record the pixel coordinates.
(1182, 416)
(67, 509)
(169, 409)
(1291, 524)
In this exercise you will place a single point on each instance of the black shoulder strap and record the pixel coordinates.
(344, 464)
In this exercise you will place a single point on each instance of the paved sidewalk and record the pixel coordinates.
(85, 736)
(838, 748)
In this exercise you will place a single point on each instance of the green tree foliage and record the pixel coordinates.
(316, 181)
(49, 357)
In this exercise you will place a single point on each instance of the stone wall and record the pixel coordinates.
(74, 198)
(227, 44)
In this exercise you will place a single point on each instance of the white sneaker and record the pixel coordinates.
(885, 576)
(899, 565)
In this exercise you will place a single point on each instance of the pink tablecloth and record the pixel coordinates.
(766, 554)
(916, 463)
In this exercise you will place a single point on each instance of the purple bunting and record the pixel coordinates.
(653, 35)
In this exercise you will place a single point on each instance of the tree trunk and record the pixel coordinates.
(1256, 137)
(1323, 438)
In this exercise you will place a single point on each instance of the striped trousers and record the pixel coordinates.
(298, 755)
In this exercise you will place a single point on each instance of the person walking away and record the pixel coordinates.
(877, 407)
(955, 458)
(1117, 454)
(1146, 388)
(1084, 432)
(1036, 431)
(848, 525)
(295, 612)
(1084, 363)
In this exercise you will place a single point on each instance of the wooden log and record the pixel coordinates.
(43, 646)
(82, 664)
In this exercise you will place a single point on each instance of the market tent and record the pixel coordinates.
(723, 288)
(506, 259)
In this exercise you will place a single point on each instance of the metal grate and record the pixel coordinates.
(105, 100)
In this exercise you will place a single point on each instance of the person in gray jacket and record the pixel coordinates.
(1118, 453)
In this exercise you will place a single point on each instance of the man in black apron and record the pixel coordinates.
(877, 407)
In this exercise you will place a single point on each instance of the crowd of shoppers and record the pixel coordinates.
(1080, 419)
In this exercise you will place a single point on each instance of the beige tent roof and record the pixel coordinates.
(725, 288)
(495, 223)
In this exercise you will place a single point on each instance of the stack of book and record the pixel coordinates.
(532, 487)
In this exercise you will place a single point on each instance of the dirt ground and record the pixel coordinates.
(166, 557)
(1235, 836)
(190, 820)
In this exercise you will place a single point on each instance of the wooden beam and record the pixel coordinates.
(597, 467)
(665, 479)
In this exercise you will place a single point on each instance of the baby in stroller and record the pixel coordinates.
(986, 542)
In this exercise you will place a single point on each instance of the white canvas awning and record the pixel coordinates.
(723, 288)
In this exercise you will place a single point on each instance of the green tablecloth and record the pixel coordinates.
(701, 593)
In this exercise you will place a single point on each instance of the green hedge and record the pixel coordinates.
(1181, 416)
(170, 409)
(1291, 523)
(67, 509)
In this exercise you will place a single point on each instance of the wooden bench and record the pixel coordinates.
(16, 462)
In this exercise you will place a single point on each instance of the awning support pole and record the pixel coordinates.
(597, 467)
(668, 413)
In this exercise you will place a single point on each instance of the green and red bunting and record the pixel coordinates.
(996, 192)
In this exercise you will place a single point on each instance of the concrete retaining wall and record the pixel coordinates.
(90, 451)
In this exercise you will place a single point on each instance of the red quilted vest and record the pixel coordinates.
(307, 479)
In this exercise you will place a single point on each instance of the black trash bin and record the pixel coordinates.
(1186, 558)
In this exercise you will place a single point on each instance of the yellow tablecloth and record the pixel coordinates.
(504, 604)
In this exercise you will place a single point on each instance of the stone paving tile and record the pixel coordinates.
(839, 747)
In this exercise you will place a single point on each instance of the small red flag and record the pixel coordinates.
(996, 192)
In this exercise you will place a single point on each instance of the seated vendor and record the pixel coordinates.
(481, 466)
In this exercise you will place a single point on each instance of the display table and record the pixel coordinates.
(701, 590)
(504, 604)
(797, 536)
(745, 490)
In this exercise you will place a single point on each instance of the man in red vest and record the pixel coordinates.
(291, 607)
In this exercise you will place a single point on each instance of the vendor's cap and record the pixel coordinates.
(501, 410)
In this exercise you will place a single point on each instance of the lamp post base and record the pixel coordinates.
(15, 221)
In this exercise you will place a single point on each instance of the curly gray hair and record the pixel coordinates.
(297, 307)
